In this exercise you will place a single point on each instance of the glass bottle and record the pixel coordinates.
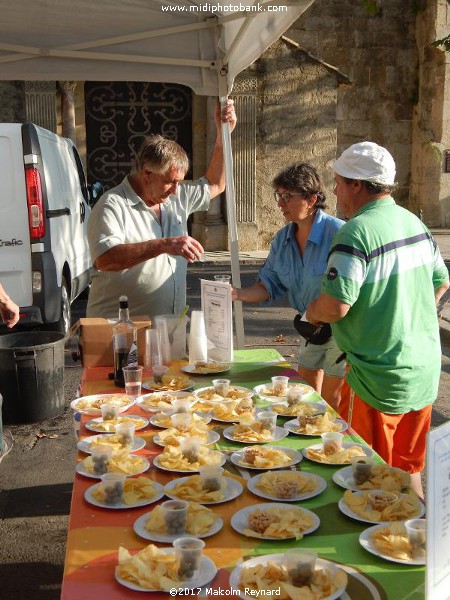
(124, 342)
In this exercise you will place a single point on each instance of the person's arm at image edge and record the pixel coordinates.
(326, 309)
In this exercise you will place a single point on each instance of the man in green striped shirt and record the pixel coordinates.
(385, 275)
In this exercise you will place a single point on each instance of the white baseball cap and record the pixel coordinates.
(366, 161)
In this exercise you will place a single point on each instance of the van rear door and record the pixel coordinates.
(15, 255)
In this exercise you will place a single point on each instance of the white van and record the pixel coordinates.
(44, 209)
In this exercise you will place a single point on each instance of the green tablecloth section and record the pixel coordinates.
(337, 537)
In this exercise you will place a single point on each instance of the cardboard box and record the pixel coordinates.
(96, 340)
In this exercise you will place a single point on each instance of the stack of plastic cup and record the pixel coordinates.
(198, 343)
(161, 327)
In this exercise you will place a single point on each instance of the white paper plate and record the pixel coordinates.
(154, 420)
(83, 445)
(275, 558)
(320, 407)
(366, 543)
(216, 368)
(280, 434)
(347, 511)
(292, 425)
(122, 506)
(307, 390)
(344, 479)
(321, 486)
(207, 572)
(232, 491)
(93, 424)
(80, 469)
(213, 437)
(141, 400)
(165, 538)
(296, 456)
(368, 452)
(158, 464)
(117, 399)
(158, 387)
(239, 521)
(247, 391)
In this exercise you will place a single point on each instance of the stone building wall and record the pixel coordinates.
(379, 55)
(12, 102)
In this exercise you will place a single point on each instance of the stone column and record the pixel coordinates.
(244, 156)
(68, 89)
(40, 103)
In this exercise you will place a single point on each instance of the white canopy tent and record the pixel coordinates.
(198, 44)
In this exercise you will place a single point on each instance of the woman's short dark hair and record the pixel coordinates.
(303, 178)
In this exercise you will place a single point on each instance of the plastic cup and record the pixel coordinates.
(181, 421)
(223, 278)
(175, 516)
(417, 536)
(190, 448)
(198, 342)
(362, 469)
(211, 477)
(158, 372)
(109, 412)
(181, 405)
(125, 434)
(300, 564)
(133, 380)
(294, 395)
(189, 555)
(113, 486)
(380, 500)
(101, 456)
(268, 420)
(153, 350)
(221, 386)
(280, 385)
(162, 328)
(332, 442)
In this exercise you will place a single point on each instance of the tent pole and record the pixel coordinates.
(231, 214)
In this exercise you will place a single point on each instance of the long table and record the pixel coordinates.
(95, 534)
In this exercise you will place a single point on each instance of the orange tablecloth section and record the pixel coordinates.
(95, 534)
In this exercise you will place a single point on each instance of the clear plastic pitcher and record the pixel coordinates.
(176, 330)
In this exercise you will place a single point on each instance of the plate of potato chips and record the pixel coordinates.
(383, 477)
(98, 425)
(172, 460)
(138, 491)
(173, 437)
(109, 439)
(162, 401)
(274, 521)
(287, 486)
(163, 420)
(191, 489)
(391, 543)
(283, 409)
(315, 425)
(266, 392)
(253, 432)
(205, 367)
(155, 569)
(266, 457)
(92, 405)
(120, 462)
(201, 522)
(360, 506)
(169, 383)
(268, 573)
(349, 450)
(235, 392)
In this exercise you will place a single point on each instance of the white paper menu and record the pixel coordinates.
(438, 513)
(217, 307)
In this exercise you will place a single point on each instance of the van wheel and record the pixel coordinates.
(63, 323)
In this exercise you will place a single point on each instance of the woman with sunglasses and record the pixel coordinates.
(295, 266)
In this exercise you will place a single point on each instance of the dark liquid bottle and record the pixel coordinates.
(124, 339)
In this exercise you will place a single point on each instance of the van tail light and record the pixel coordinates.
(35, 202)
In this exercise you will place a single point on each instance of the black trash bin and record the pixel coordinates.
(32, 375)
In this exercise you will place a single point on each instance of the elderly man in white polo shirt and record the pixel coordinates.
(138, 230)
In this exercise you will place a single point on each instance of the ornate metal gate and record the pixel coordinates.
(120, 114)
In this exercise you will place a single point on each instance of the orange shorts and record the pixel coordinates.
(400, 440)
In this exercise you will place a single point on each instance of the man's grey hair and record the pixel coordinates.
(159, 154)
